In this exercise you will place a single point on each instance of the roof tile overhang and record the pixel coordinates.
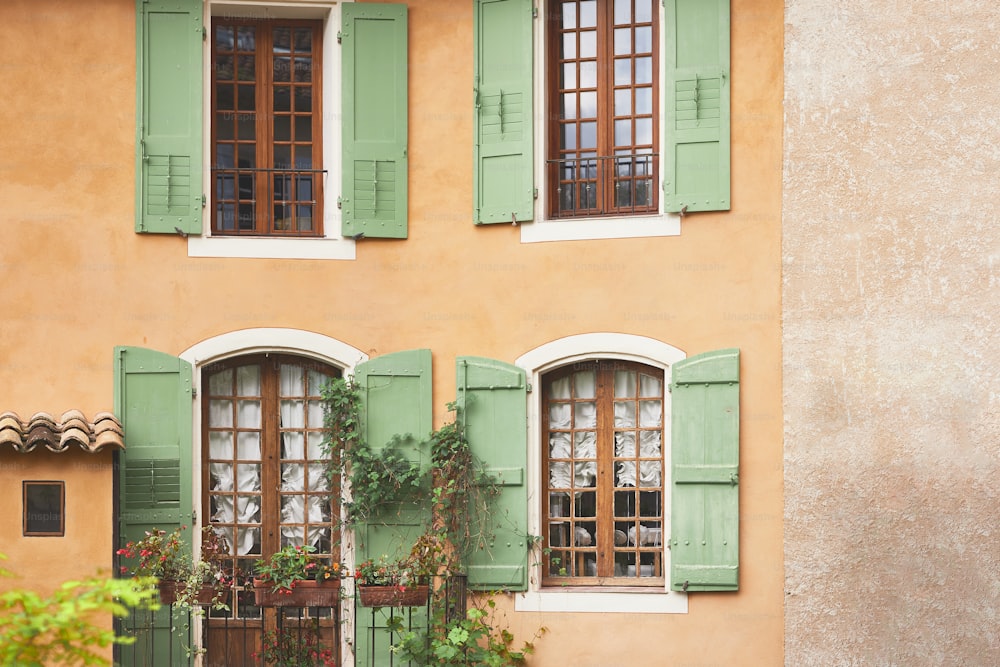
(60, 435)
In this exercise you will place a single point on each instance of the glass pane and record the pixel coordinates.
(220, 445)
(246, 155)
(624, 384)
(282, 156)
(303, 39)
(247, 477)
(246, 68)
(282, 98)
(566, 198)
(650, 386)
(588, 44)
(623, 41)
(303, 157)
(223, 38)
(623, 72)
(223, 68)
(568, 15)
(303, 128)
(246, 218)
(643, 101)
(282, 128)
(305, 193)
(249, 541)
(224, 97)
(317, 477)
(624, 414)
(568, 136)
(304, 216)
(588, 105)
(588, 135)
(249, 414)
(246, 38)
(225, 216)
(248, 445)
(644, 131)
(623, 132)
(624, 506)
(643, 40)
(282, 39)
(246, 126)
(569, 45)
(643, 70)
(225, 186)
(220, 414)
(584, 384)
(293, 414)
(303, 69)
(623, 11)
(290, 381)
(559, 415)
(282, 69)
(568, 109)
(303, 99)
(224, 156)
(586, 504)
(245, 96)
(623, 194)
(568, 75)
(314, 445)
(588, 74)
(315, 381)
(293, 445)
(623, 102)
(246, 186)
(588, 13)
(650, 412)
(220, 383)
(224, 127)
(643, 11)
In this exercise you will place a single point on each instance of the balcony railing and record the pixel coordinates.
(604, 185)
(290, 206)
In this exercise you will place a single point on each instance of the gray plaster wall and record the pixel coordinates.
(891, 381)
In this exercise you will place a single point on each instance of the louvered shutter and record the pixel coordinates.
(374, 129)
(153, 401)
(704, 530)
(503, 187)
(396, 400)
(696, 124)
(169, 116)
(492, 400)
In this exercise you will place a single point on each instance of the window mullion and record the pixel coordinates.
(604, 537)
(270, 455)
(265, 115)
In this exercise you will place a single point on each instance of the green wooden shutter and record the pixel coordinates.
(396, 400)
(168, 116)
(492, 399)
(374, 130)
(153, 400)
(503, 186)
(704, 526)
(696, 123)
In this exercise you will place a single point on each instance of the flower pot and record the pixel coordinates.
(304, 593)
(392, 596)
(170, 589)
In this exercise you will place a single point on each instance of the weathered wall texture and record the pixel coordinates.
(891, 253)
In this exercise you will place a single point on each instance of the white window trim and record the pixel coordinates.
(545, 228)
(307, 344)
(536, 363)
(332, 245)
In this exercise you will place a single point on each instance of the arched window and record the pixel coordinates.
(603, 473)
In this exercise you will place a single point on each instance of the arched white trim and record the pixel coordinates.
(272, 339)
(537, 362)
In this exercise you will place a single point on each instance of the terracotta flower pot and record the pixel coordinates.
(392, 596)
(305, 593)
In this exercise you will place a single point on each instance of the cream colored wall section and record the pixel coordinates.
(891, 254)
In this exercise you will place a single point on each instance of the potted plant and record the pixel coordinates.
(293, 577)
(181, 579)
(385, 583)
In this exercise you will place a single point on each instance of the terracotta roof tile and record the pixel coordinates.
(42, 430)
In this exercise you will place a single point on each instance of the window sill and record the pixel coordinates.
(271, 248)
(581, 229)
(652, 601)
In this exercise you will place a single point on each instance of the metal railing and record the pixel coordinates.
(236, 187)
(604, 184)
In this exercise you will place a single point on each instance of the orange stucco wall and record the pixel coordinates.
(77, 281)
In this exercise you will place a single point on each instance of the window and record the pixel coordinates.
(267, 127)
(260, 410)
(603, 106)
(603, 470)
(44, 509)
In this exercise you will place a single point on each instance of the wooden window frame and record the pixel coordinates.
(61, 485)
(265, 169)
(598, 172)
(563, 574)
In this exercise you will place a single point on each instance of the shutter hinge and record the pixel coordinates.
(340, 203)
(204, 34)
(203, 200)
(528, 387)
(534, 193)
(534, 12)
(194, 392)
(340, 37)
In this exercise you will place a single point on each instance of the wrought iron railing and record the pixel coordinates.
(604, 185)
(289, 194)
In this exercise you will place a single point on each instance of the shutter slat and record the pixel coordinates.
(169, 116)
(503, 179)
(697, 65)
(374, 130)
(492, 400)
(704, 526)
